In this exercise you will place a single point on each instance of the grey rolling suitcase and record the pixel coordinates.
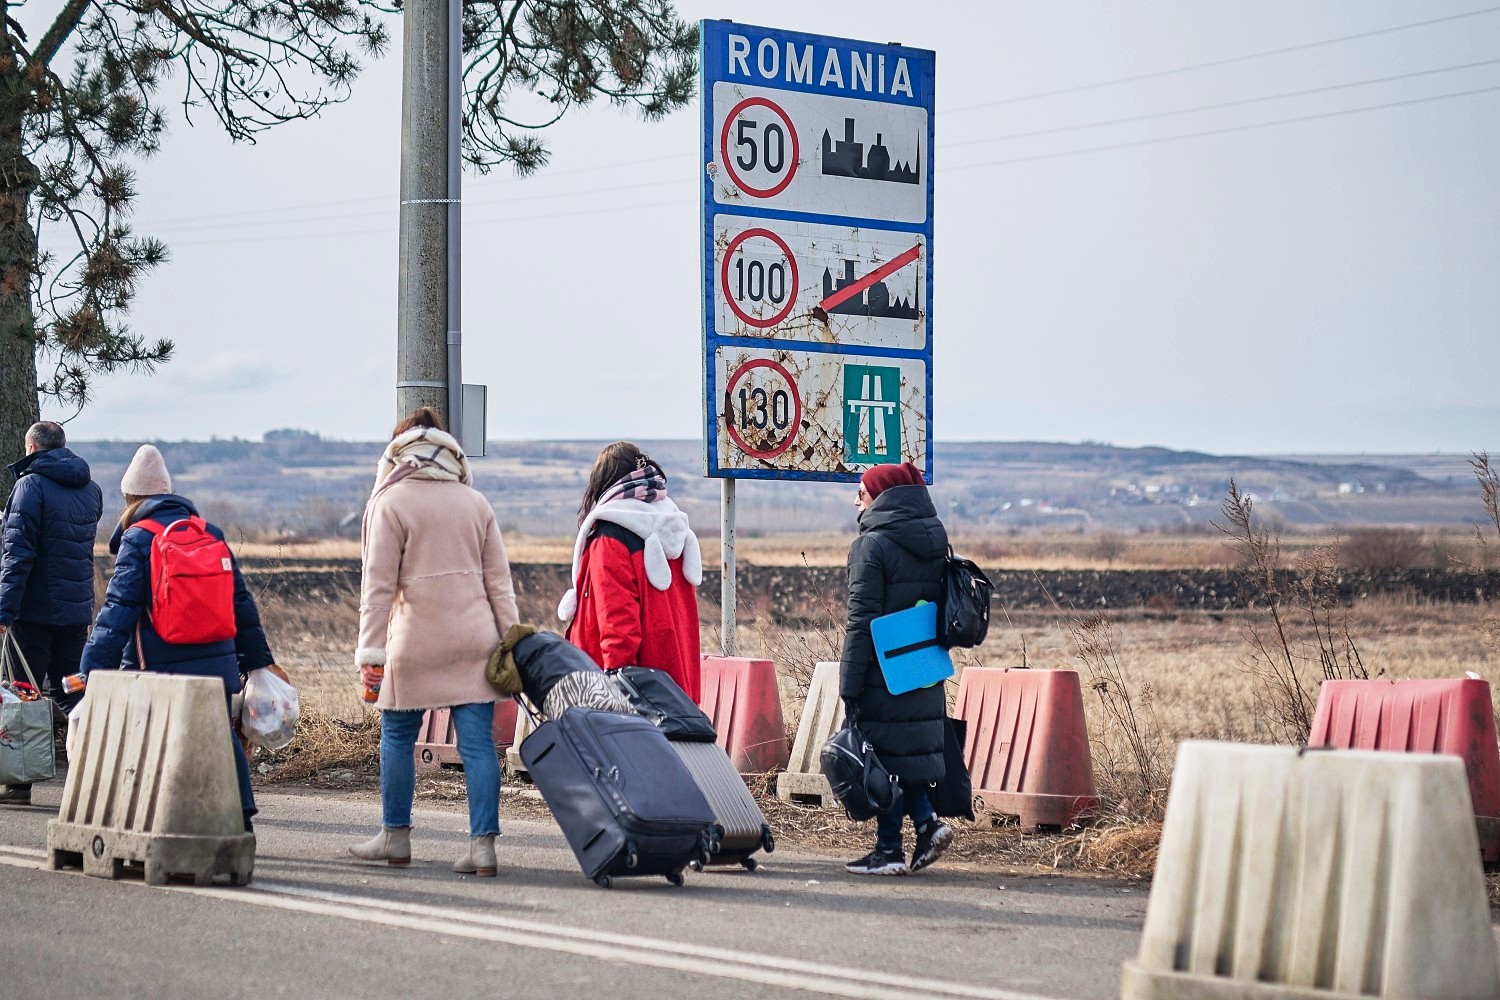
(742, 827)
(621, 797)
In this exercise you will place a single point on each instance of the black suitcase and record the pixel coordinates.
(656, 696)
(742, 827)
(624, 799)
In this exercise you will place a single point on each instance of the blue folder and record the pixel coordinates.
(907, 646)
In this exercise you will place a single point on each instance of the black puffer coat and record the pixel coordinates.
(896, 561)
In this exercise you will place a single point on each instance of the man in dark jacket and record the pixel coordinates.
(896, 561)
(47, 564)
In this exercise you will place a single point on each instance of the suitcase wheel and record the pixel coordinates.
(603, 881)
(676, 878)
(631, 857)
(696, 865)
(767, 841)
(750, 864)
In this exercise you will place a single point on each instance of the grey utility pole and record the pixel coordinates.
(428, 338)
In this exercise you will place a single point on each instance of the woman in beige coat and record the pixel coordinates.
(435, 598)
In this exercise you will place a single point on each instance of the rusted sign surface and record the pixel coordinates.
(817, 254)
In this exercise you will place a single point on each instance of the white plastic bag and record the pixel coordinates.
(75, 717)
(269, 716)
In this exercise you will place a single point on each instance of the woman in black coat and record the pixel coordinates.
(896, 561)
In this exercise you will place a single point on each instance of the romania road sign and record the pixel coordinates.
(817, 254)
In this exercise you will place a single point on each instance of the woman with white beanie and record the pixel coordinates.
(125, 634)
(435, 600)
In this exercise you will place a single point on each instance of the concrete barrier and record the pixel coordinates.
(437, 742)
(152, 783)
(1427, 716)
(1028, 744)
(1286, 874)
(803, 780)
(743, 699)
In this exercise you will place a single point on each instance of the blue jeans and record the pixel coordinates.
(914, 803)
(476, 745)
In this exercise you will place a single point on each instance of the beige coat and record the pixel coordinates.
(435, 595)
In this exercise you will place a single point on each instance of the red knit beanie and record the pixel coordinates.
(880, 478)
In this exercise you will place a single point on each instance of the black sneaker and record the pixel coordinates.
(16, 795)
(933, 839)
(878, 862)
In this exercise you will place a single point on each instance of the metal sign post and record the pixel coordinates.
(817, 259)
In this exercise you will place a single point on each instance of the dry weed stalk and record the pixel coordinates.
(1281, 661)
(1132, 748)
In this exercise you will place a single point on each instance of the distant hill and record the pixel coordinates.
(297, 483)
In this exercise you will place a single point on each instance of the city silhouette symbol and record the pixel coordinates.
(847, 158)
(873, 301)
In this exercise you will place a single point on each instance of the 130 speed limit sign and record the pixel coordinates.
(761, 408)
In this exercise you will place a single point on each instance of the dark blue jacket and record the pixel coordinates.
(128, 601)
(47, 540)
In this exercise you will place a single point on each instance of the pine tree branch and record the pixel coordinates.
(67, 21)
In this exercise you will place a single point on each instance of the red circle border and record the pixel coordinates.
(791, 300)
(734, 112)
(796, 428)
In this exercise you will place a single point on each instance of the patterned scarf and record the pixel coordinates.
(422, 452)
(426, 453)
(645, 484)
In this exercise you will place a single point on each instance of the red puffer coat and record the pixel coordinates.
(635, 599)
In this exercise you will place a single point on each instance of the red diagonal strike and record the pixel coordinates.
(879, 274)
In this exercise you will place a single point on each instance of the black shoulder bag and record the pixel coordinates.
(859, 780)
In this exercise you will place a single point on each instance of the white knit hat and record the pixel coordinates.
(147, 475)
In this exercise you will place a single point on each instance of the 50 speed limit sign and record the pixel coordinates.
(758, 146)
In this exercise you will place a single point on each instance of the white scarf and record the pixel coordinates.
(660, 524)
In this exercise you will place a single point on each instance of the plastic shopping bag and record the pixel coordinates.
(271, 709)
(75, 717)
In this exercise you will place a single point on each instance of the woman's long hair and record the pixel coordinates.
(613, 463)
(131, 513)
(422, 416)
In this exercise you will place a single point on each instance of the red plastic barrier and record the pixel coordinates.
(1440, 716)
(437, 742)
(742, 698)
(1028, 743)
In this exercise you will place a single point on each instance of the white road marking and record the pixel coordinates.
(768, 970)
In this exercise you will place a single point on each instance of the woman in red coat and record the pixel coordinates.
(636, 570)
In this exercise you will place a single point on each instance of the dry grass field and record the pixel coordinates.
(1021, 551)
(1183, 675)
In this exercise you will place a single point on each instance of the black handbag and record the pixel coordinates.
(859, 780)
(954, 794)
(964, 611)
(654, 695)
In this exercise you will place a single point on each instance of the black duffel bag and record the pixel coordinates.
(859, 780)
(657, 698)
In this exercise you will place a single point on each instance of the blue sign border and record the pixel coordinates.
(713, 62)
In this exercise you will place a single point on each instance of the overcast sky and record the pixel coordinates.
(1330, 284)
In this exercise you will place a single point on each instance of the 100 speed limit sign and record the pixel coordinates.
(762, 408)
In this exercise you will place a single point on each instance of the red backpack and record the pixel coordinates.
(192, 583)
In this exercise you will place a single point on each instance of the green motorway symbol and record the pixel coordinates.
(872, 414)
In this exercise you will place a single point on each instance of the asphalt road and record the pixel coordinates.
(315, 923)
